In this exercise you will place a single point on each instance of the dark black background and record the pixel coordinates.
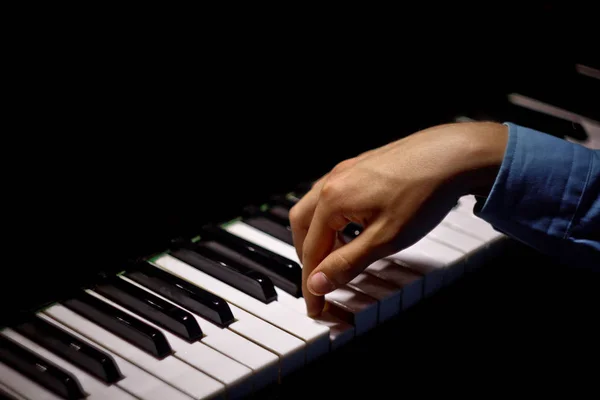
(129, 138)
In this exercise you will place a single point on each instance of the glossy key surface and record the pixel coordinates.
(194, 298)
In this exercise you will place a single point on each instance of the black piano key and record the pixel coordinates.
(303, 187)
(293, 198)
(181, 292)
(279, 211)
(87, 357)
(155, 309)
(575, 93)
(40, 370)
(352, 230)
(271, 227)
(275, 213)
(284, 201)
(540, 121)
(122, 324)
(285, 274)
(280, 214)
(235, 274)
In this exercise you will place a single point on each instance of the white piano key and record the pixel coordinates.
(171, 370)
(440, 254)
(456, 239)
(408, 281)
(471, 225)
(476, 250)
(24, 386)
(340, 332)
(137, 381)
(468, 223)
(466, 204)
(265, 240)
(453, 260)
(90, 384)
(432, 269)
(356, 308)
(315, 336)
(290, 349)
(254, 235)
(235, 376)
(345, 303)
(251, 341)
(5, 390)
(388, 295)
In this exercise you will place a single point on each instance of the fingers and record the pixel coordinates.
(342, 265)
(302, 213)
(320, 241)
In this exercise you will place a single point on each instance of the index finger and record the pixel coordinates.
(320, 241)
(301, 215)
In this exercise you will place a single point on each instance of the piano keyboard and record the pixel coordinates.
(221, 315)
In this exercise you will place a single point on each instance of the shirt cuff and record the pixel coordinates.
(538, 188)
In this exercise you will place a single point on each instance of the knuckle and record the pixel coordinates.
(331, 190)
(343, 165)
(295, 215)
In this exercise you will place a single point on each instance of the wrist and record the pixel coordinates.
(485, 145)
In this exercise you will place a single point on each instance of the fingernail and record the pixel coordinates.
(319, 284)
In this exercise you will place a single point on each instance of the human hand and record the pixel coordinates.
(398, 193)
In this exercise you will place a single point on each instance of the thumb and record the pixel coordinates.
(346, 262)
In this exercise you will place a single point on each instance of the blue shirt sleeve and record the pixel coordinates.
(547, 195)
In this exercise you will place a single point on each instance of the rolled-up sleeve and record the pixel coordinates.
(547, 195)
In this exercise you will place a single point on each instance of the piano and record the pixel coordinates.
(153, 259)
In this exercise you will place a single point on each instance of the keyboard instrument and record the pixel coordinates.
(167, 270)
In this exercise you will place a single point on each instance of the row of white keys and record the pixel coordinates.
(484, 230)
(136, 381)
(441, 264)
(23, 386)
(94, 388)
(388, 296)
(348, 313)
(235, 376)
(265, 349)
(438, 262)
(170, 369)
(457, 239)
(463, 219)
(473, 248)
(409, 282)
(314, 335)
(466, 204)
(360, 310)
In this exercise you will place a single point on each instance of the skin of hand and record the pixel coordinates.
(397, 192)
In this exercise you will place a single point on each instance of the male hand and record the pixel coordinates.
(398, 193)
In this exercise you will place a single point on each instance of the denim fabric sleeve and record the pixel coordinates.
(547, 195)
